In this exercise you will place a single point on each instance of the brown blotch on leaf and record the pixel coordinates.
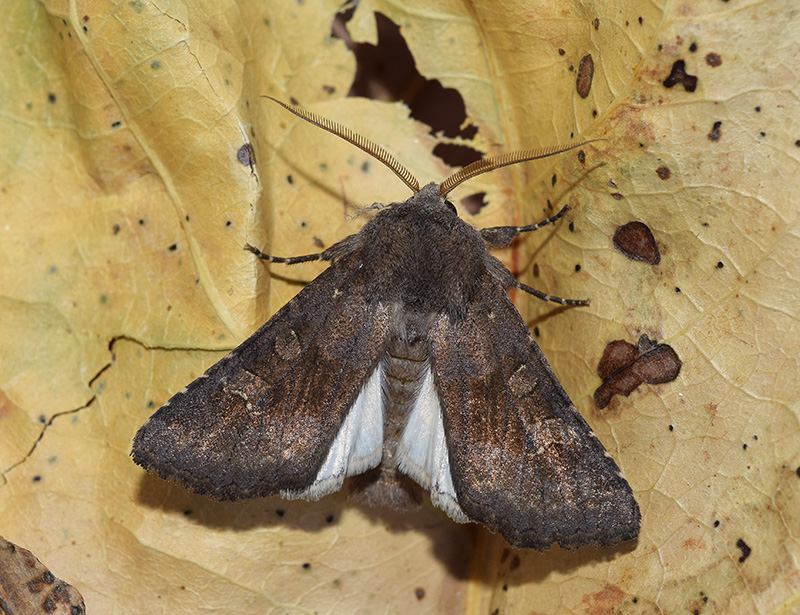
(635, 240)
(623, 367)
(678, 74)
(26, 586)
(663, 172)
(585, 75)
(713, 59)
(419, 593)
(715, 133)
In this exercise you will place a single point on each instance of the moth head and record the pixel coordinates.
(471, 170)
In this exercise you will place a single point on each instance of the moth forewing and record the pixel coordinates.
(405, 351)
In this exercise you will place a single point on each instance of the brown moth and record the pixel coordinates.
(404, 360)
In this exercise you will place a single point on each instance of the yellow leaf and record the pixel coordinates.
(126, 199)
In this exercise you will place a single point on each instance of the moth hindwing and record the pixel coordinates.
(404, 359)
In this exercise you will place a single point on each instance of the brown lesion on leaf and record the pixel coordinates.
(583, 83)
(678, 74)
(635, 240)
(623, 367)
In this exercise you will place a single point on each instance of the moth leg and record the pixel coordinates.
(501, 236)
(544, 297)
(291, 260)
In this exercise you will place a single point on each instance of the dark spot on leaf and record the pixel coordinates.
(596, 23)
(419, 593)
(155, 64)
(306, 566)
(762, 134)
(581, 157)
(746, 550)
(289, 179)
(744, 446)
(280, 512)
(51, 98)
(328, 89)
(635, 599)
(116, 124)
(716, 523)
(173, 247)
(678, 74)
(535, 270)
(536, 331)
(571, 227)
(715, 133)
(246, 155)
(617, 195)
(115, 229)
(577, 268)
(141, 221)
(641, 21)
(635, 240)
(693, 47)
(37, 478)
(583, 83)
(329, 519)
(228, 223)
(757, 109)
(720, 265)
(187, 512)
(672, 427)
(561, 52)
(713, 59)
(664, 172)
(623, 367)
(677, 289)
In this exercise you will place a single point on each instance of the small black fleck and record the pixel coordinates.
(677, 289)
(672, 427)
(151, 404)
(306, 566)
(755, 437)
(693, 47)
(290, 179)
(617, 196)
(187, 512)
(758, 109)
(141, 221)
(42, 419)
(594, 112)
(762, 134)
(536, 333)
(85, 29)
(228, 223)
(596, 23)
(505, 587)
(116, 124)
(37, 478)
(553, 180)
(797, 471)
(660, 47)
(635, 599)
(705, 598)
(303, 224)
(720, 265)
(581, 157)
(51, 98)
(696, 612)
(561, 52)
(535, 270)
(419, 593)
(641, 21)
(797, 143)
(744, 446)
(577, 268)
(173, 247)
(187, 217)
(714, 135)
(116, 229)
(746, 550)
(329, 519)
(155, 64)
(571, 227)
(280, 512)
(246, 155)
(716, 523)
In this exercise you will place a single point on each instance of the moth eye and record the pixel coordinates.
(451, 206)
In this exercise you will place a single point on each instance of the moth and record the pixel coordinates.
(404, 362)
